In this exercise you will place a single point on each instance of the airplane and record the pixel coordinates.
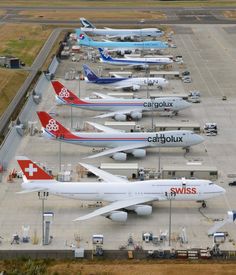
(119, 142)
(122, 195)
(85, 40)
(119, 109)
(119, 33)
(137, 62)
(125, 83)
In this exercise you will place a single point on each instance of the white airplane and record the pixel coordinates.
(120, 194)
(136, 62)
(119, 109)
(119, 33)
(118, 82)
(120, 142)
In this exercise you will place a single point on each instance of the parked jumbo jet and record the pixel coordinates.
(119, 33)
(119, 109)
(84, 40)
(140, 62)
(120, 142)
(121, 194)
(118, 82)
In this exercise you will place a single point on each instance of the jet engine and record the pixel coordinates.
(139, 153)
(135, 87)
(118, 216)
(120, 117)
(120, 156)
(136, 115)
(143, 210)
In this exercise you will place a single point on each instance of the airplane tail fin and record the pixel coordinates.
(64, 95)
(53, 128)
(86, 24)
(31, 170)
(90, 75)
(83, 38)
(105, 55)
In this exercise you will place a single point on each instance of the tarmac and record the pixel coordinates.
(209, 54)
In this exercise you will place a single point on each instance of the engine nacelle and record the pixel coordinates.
(136, 115)
(135, 87)
(120, 117)
(139, 153)
(118, 216)
(143, 210)
(120, 156)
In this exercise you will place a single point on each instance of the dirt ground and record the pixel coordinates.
(140, 268)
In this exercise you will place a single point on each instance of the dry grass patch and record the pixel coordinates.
(10, 82)
(230, 14)
(141, 268)
(22, 40)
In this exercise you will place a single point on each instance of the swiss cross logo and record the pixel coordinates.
(31, 169)
(52, 125)
(64, 93)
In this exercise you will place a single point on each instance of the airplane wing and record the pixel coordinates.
(125, 112)
(127, 86)
(108, 177)
(103, 128)
(115, 206)
(104, 96)
(117, 149)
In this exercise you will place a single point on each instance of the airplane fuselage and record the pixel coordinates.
(121, 45)
(110, 140)
(142, 105)
(185, 190)
(154, 32)
(139, 81)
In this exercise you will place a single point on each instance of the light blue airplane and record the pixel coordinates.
(85, 40)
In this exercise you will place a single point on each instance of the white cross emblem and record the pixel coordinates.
(31, 169)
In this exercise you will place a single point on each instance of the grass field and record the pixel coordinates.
(133, 267)
(126, 3)
(10, 82)
(22, 40)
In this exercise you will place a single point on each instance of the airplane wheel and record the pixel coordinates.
(204, 205)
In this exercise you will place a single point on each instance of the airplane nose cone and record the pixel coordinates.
(221, 190)
(199, 139)
(186, 104)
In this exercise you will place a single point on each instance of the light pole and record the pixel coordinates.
(170, 196)
(59, 137)
(43, 196)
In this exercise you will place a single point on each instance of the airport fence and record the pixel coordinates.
(9, 145)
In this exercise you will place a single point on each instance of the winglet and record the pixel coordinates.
(31, 170)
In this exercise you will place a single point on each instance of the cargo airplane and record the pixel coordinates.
(119, 143)
(119, 109)
(118, 82)
(137, 62)
(122, 195)
(85, 40)
(123, 34)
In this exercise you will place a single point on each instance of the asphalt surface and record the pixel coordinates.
(176, 15)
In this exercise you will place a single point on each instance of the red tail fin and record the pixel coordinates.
(31, 170)
(66, 95)
(53, 127)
